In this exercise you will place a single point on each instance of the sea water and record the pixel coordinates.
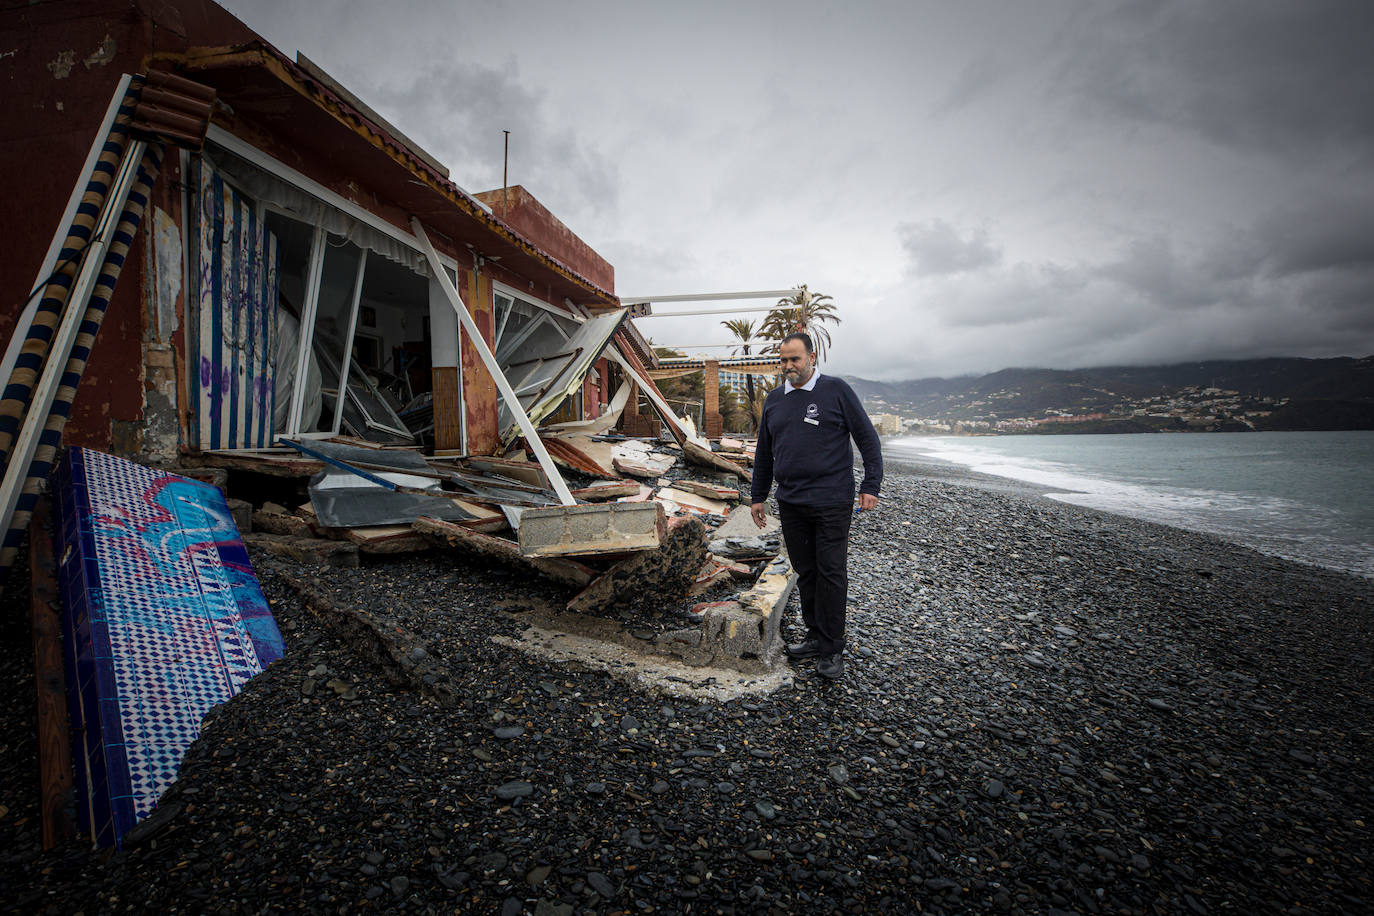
(1301, 496)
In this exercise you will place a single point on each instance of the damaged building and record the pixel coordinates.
(236, 265)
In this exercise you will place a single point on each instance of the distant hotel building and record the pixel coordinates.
(887, 424)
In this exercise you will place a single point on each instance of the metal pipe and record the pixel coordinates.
(708, 297)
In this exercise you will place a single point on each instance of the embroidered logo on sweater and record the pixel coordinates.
(812, 411)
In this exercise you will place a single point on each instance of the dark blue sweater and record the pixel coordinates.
(813, 462)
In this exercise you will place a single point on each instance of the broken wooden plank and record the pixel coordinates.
(308, 551)
(275, 465)
(693, 502)
(56, 793)
(611, 489)
(447, 534)
(700, 455)
(709, 490)
(388, 539)
(744, 459)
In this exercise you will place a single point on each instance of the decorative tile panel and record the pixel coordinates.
(163, 619)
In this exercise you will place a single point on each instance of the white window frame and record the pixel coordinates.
(222, 138)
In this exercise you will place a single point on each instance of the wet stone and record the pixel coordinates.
(514, 789)
(601, 884)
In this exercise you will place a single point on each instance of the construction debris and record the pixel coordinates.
(607, 490)
(709, 490)
(582, 530)
(665, 573)
(402, 656)
(576, 457)
(446, 534)
(692, 502)
(639, 534)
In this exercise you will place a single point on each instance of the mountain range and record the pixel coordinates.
(1273, 393)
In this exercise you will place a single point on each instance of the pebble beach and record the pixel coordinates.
(1045, 710)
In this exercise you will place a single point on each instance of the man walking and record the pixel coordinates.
(804, 444)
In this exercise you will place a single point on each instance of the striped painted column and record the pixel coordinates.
(42, 463)
(28, 366)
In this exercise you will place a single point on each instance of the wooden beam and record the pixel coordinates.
(55, 774)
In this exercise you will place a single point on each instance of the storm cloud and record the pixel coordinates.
(977, 185)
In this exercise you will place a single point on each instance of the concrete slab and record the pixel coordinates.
(618, 527)
(650, 673)
(739, 524)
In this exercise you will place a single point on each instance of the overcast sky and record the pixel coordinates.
(1057, 183)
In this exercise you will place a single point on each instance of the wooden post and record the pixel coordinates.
(711, 423)
(55, 775)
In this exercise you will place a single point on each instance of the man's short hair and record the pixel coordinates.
(803, 337)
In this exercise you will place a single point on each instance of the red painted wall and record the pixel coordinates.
(520, 210)
(56, 88)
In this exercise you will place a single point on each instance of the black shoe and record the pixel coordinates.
(810, 648)
(830, 666)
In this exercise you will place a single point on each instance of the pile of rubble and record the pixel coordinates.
(654, 524)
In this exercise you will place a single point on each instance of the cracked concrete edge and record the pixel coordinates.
(657, 674)
(752, 623)
(403, 656)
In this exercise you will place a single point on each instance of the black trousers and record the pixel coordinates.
(818, 544)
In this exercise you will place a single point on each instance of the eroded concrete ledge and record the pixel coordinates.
(748, 627)
(402, 656)
(658, 674)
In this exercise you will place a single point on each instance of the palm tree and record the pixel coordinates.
(745, 331)
(802, 311)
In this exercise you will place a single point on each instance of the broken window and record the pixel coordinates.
(343, 315)
(545, 355)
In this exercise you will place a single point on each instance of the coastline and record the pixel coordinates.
(1047, 708)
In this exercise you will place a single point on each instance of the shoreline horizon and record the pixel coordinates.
(1094, 489)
